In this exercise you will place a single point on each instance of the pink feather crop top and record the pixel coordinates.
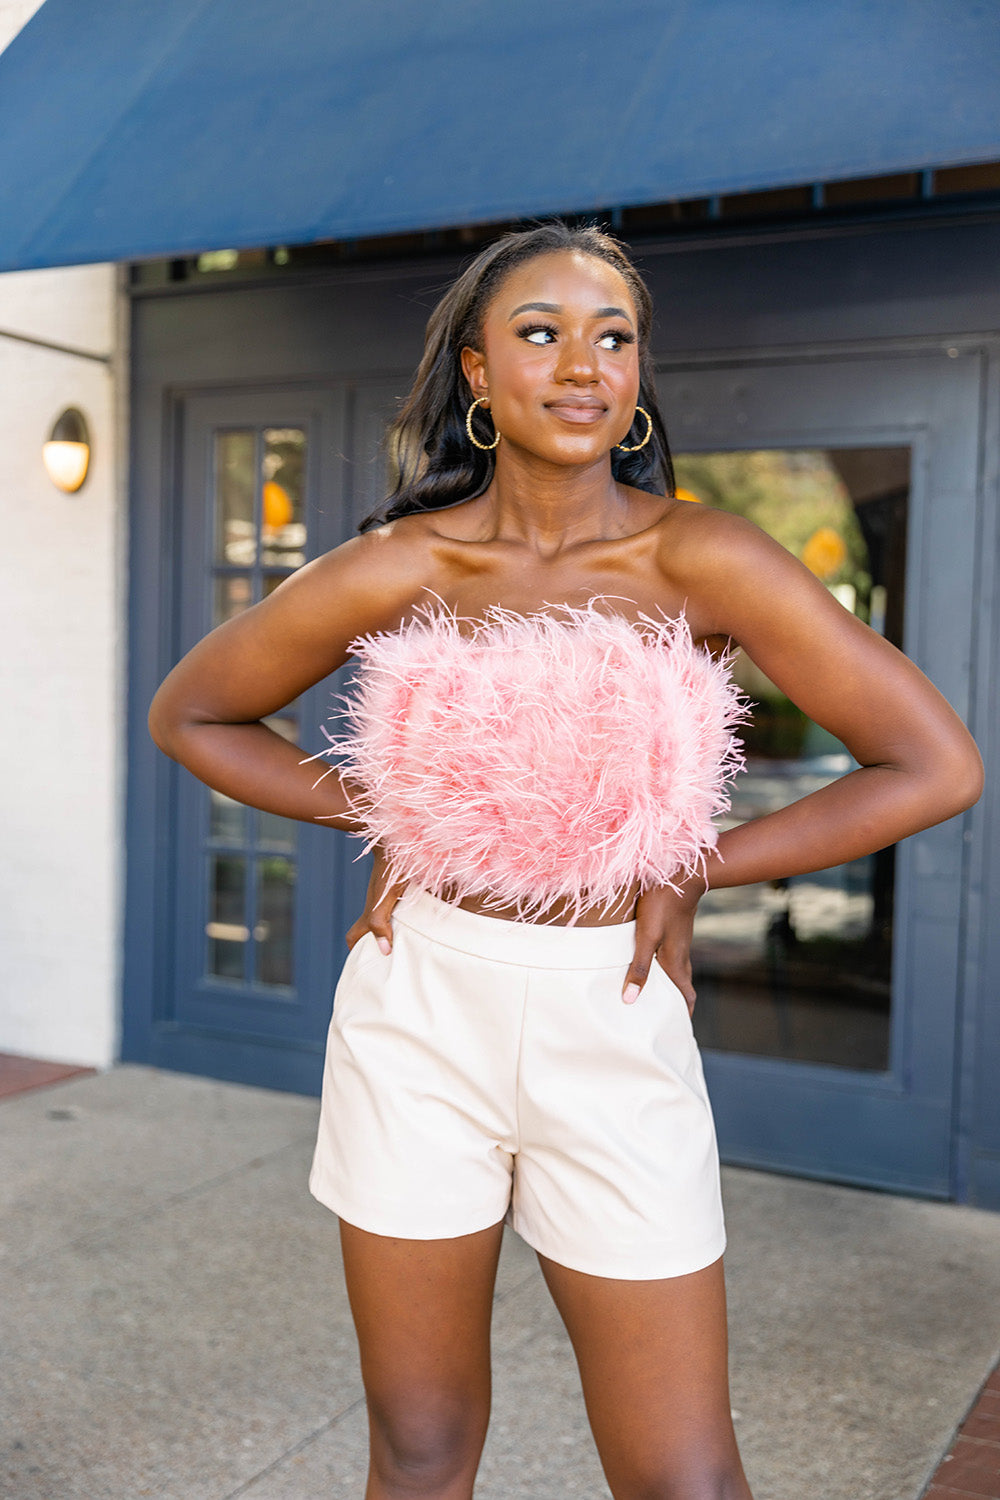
(551, 757)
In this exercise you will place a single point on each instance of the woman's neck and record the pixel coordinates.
(548, 507)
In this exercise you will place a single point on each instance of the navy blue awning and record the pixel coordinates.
(163, 127)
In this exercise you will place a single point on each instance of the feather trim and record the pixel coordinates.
(541, 758)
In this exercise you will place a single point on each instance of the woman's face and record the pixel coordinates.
(560, 357)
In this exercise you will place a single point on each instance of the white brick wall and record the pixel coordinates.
(61, 612)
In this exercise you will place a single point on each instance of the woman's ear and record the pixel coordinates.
(474, 370)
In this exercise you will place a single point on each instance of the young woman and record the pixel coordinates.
(543, 732)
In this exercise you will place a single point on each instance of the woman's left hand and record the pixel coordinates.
(664, 922)
(381, 898)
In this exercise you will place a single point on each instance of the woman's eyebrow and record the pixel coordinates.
(554, 307)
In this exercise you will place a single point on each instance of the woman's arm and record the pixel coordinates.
(207, 713)
(918, 764)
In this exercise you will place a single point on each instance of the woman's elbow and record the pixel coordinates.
(165, 723)
(957, 778)
(969, 777)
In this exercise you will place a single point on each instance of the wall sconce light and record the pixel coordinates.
(66, 455)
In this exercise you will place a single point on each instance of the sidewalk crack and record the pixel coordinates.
(298, 1447)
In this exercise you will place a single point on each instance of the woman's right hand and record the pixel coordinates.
(664, 924)
(380, 900)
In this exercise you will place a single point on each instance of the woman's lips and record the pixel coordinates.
(577, 411)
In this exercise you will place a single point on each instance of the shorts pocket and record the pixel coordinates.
(660, 976)
(364, 953)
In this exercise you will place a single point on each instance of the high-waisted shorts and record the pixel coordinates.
(489, 1069)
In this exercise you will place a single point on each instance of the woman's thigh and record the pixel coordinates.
(653, 1360)
(422, 1312)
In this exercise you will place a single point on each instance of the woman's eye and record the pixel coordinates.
(542, 333)
(537, 334)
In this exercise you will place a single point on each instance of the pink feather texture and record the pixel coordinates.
(553, 757)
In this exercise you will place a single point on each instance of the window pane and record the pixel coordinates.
(275, 921)
(235, 492)
(286, 725)
(801, 968)
(259, 529)
(227, 819)
(276, 832)
(226, 929)
(283, 531)
(233, 594)
(272, 581)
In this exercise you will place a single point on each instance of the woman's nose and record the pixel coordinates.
(577, 360)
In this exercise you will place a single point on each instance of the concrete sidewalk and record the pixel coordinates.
(174, 1322)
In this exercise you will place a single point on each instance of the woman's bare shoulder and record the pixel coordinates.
(374, 577)
(301, 632)
(694, 526)
(699, 542)
(724, 566)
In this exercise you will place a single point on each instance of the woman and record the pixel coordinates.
(535, 606)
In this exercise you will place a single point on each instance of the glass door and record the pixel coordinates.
(259, 537)
(827, 1003)
(260, 904)
(802, 969)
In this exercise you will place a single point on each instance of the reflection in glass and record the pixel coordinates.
(233, 594)
(801, 969)
(272, 581)
(286, 725)
(274, 927)
(283, 532)
(235, 492)
(227, 819)
(272, 831)
(258, 497)
(275, 832)
(226, 929)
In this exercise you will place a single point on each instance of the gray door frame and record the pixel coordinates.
(892, 1130)
(819, 293)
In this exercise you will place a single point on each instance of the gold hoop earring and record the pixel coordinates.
(639, 411)
(486, 447)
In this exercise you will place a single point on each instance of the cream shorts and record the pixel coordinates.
(489, 1069)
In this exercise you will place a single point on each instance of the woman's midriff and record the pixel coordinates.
(560, 913)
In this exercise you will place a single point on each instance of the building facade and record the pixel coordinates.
(828, 363)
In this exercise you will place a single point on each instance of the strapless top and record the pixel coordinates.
(555, 757)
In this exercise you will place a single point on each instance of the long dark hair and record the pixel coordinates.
(432, 464)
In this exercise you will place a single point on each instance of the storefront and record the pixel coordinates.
(828, 357)
(842, 1016)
